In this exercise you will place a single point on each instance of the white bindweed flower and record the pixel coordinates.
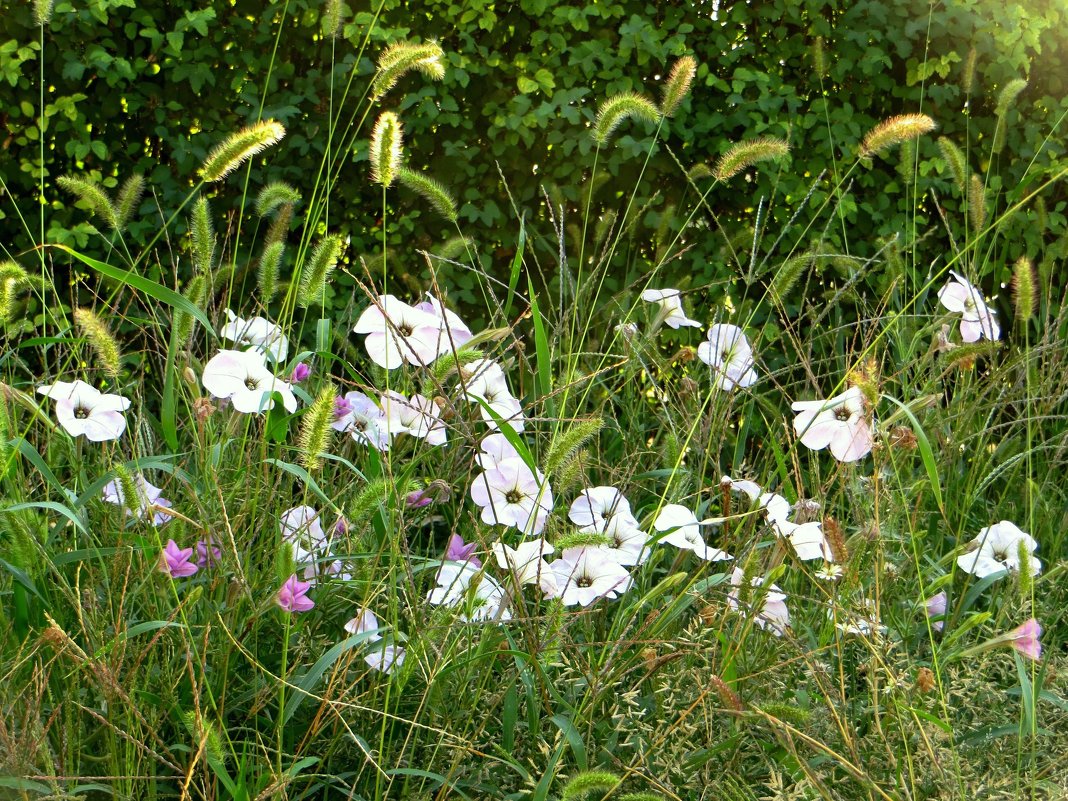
(585, 574)
(462, 585)
(483, 380)
(301, 528)
(525, 562)
(977, 320)
(775, 506)
(384, 657)
(147, 495)
(398, 333)
(626, 545)
(418, 416)
(454, 331)
(366, 621)
(243, 378)
(730, 356)
(840, 422)
(362, 419)
(259, 332)
(808, 539)
(998, 547)
(494, 448)
(510, 494)
(685, 533)
(670, 303)
(597, 507)
(772, 613)
(83, 410)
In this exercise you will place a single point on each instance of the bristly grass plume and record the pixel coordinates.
(238, 148)
(894, 131)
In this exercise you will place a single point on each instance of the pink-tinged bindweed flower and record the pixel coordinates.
(511, 494)
(399, 333)
(363, 420)
(730, 356)
(597, 508)
(840, 422)
(454, 331)
(293, 596)
(1024, 639)
(525, 561)
(670, 303)
(977, 320)
(684, 532)
(175, 561)
(998, 547)
(259, 332)
(772, 613)
(936, 609)
(300, 373)
(148, 495)
(466, 587)
(83, 410)
(384, 658)
(582, 575)
(459, 551)
(365, 622)
(494, 448)
(808, 539)
(417, 416)
(776, 507)
(242, 377)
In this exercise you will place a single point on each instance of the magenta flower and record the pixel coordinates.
(417, 499)
(342, 407)
(300, 373)
(293, 597)
(341, 527)
(936, 608)
(1024, 638)
(208, 553)
(175, 561)
(460, 551)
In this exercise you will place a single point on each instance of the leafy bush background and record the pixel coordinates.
(151, 86)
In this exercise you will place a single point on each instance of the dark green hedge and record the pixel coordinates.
(151, 86)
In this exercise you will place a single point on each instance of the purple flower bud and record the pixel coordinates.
(936, 607)
(342, 407)
(419, 498)
(460, 551)
(301, 372)
(207, 553)
(293, 597)
(1024, 638)
(175, 561)
(341, 527)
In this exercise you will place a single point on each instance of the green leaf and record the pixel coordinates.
(926, 453)
(517, 263)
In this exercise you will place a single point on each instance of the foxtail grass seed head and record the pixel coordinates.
(894, 131)
(315, 429)
(955, 160)
(89, 193)
(12, 277)
(127, 199)
(132, 497)
(42, 11)
(743, 155)
(566, 443)
(104, 345)
(275, 195)
(832, 530)
(432, 191)
(195, 293)
(238, 148)
(1007, 96)
(726, 693)
(699, 171)
(588, 782)
(316, 272)
(678, 85)
(203, 235)
(976, 203)
(819, 57)
(906, 164)
(455, 248)
(332, 18)
(367, 502)
(399, 59)
(268, 268)
(1024, 289)
(387, 140)
(1026, 574)
(613, 111)
(788, 274)
(967, 73)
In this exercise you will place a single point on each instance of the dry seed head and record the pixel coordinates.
(431, 190)
(976, 203)
(101, 340)
(743, 155)
(1024, 289)
(399, 59)
(832, 530)
(613, 111)
(894, 131)
(903, 438)
(678, 85)
(925, 677)
(730, 698)
(238, 148)
(387, 140)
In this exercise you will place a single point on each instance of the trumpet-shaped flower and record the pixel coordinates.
(936, 610)
(418, 416)
(259, 332)
(582, 575)
(511, 494)
(670, 303)
(362, 419)
(808, 539)
(627, 545)
(365, 622)
(525, 561)
(301, 528)
(767, 606)
(998, 547)
(83, 410)
(840, 422)
(730, 356)
(243, 378)
(176, 562)
(147, 495)
(293, 596)
(775, 506)
(384, 657)
(598, 507)
(399, 333)
(300, 373)
(454, 331)
(977, 320)
(208, 553)
(494, 448)
(462, 585)
(459, 551)
(1024, 639)
(685, 533)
